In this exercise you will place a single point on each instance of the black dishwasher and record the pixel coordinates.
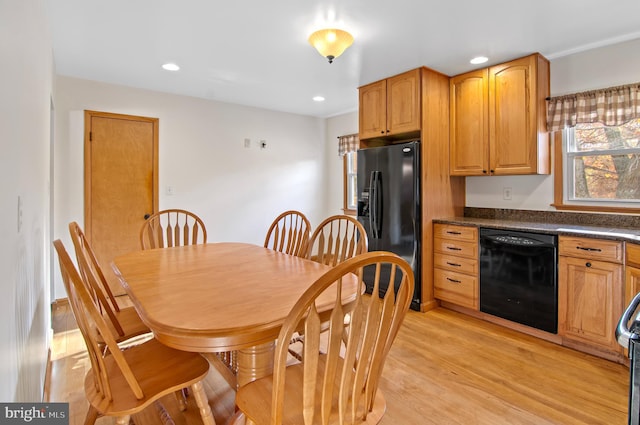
(518, 277)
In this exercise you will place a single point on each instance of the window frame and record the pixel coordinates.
(345, 185)
(560, 176)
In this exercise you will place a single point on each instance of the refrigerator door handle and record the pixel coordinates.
(376, 203)
(623, 333)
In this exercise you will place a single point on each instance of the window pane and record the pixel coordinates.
(352, 197)
(607, 177)
(598, 137)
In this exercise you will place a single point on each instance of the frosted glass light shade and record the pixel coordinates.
(331, 42)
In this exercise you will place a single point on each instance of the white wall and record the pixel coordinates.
(597, 68)
(237, 191)
(26, 87)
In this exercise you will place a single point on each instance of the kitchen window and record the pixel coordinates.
(598, 150)
(348, 150)
(350, 172)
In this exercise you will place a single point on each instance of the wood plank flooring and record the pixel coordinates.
(445, 368)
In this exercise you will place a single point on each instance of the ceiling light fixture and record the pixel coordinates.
(331, 42)
(478, 60)
(318, 98)
(170, 67)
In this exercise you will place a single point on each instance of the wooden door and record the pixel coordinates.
(403, 103)
(121, 183)
(373, 110)
(469, 124)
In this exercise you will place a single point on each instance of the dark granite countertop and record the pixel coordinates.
(601, 232)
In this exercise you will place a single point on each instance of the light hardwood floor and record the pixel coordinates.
(444, 368)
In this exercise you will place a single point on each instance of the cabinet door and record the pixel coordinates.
(403, 103)
(632, 283)
(590, 300)
(469, 124)
(513, 119)
(373, 110)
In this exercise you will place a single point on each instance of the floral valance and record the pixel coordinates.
(348, 143)
(611, 106)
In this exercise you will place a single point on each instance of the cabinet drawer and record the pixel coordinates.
(458, 248)
(455, 264)
(455, 287)
(591, 249)
(633, 255)
(451, 231)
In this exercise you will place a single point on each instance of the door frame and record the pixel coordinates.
(88, 114)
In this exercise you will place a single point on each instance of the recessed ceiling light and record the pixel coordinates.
(318, 98)
(170, 67)
(479, 59)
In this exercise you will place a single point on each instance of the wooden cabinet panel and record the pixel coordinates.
(455, 232)
(455, 264)
(632, 272)
(498, 119)
(457, 288)
(633, 254)
(403, 103)
(455, 261)
(591, 249)
(457, 248)
(373, 110)
(590, 301)
(391, 106)
(469, 123)
(632, 283)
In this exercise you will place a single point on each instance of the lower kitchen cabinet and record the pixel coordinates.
(632, 272)
(590, 292)
(455, 273)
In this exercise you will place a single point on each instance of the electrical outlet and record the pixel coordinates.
(171, 190)
(247, 143)
(506, 193)
(263, 144)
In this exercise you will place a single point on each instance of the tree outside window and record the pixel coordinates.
(603, 162)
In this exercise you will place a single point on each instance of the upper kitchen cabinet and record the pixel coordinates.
(390, 107)
(498, 119)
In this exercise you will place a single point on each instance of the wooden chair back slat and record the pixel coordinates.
(337, 239)
(92, 324)
(92, 275)
(172, 227)
(340, 375)
(289, 233)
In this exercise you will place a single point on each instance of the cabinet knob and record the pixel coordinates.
(588, 264)
(484, 171)
(382, 132)
(492, 171)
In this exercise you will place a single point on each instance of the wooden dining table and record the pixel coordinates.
(221, 297)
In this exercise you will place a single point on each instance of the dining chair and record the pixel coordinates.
(336, 239)
(172, 227)
(124, 321)
(335, 383)
(122, 382)
(289, 233)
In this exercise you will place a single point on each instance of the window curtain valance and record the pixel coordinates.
(348, 143)
(611, 106)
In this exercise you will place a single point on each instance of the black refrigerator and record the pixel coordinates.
(388, 183)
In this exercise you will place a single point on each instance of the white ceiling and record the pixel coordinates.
(255, 52)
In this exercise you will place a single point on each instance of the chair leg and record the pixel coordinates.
(92, 415)
(181, 399)
(203, 404)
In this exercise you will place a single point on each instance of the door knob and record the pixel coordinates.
(146, 216)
